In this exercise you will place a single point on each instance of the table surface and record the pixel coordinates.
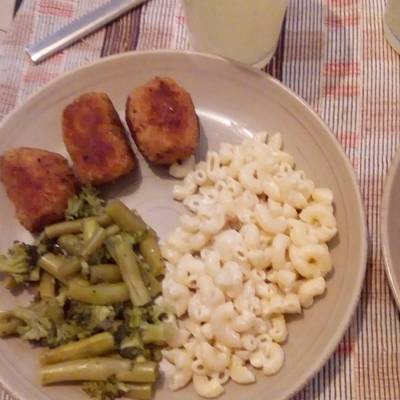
(333, 54)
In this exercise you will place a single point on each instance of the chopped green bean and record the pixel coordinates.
(156, 333)
(76, 226)
(112, 230)
(59, 266)
(47, 285)
(94, 243)
(96, 345)
(145, 372)
(102, 294)
(152, 254)
(92, 369)
(108, 273)
(70, 243)
(89, 228)
(126, 260)
(127, 220)
(140, 391)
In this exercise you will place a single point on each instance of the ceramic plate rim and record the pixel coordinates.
(358, 284)
(387, 258)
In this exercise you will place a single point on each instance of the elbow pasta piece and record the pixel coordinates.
(301, 233)
(221, 377)
(260, 137)
(250, 235)
(309, 289)
(207, 331)
(249, 342)
(260, 259)
(278, 332)
(207, 387)
(188, 271)
(179, 338)
(220, 321)
(213, 359)
(248, 178)
(213, 167)
(239, 373)
(280, 245)
(209, 294)
(267, 222)
(225, 242)
(225, 153)
(234, 187)
(285, 279)
(323, 196)
(273, 358)
(198, 311)
(176, 295)
(181, 169)
(311, 260)
(212, 261)
(200, 177)
(230, 279)
(243, 322)
(170, 254)
(180, 378)
(190, 223)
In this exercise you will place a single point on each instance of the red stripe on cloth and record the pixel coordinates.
(341, 3)
(341, 69)
(56, 8)
(38, 75)
(349, 140)
(341, 21)
(341, 90)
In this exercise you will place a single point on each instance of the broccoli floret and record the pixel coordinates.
(105, 390)
(20, 263)
(90, 318)
(87, 203)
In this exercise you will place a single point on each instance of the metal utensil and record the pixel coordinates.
(79, 28)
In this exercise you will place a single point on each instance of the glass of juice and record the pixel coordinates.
(391, 23)
(243, 30)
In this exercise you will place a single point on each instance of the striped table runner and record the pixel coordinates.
(333, 54)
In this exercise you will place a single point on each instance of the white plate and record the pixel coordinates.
(390, 227)
(233, 102)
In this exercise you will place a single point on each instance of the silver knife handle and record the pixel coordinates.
(79, 28)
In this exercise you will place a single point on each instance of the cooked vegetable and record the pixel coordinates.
(20, 263)
(126, 260)
(60, 267)
(96, 345)
(95, 316)
(103, 294)
(87, 203)
(140, 391)
(152, 254)
(108, 273)
(92, 369)
(105, 390)
(47, 286)
(129, 221)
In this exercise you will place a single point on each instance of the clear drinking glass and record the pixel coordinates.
(391, 23)
(244, 30)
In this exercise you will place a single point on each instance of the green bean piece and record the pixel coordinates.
(47, 286)
(89, 228)
(140, 391)
(145, 372)
(129, 221)
(62, 228)
(151, 282)
(107, 273)
(58, 266)
(126, 260)
(152, 255)
(91, 369)
(156, 333)
(76, 226)
(93, 346)
(70, 243)
(10, 327)
(102, 294)
(94, 243)
(112, 230)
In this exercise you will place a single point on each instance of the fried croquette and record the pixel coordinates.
(39, 183)
(162, 120)
(96, 141)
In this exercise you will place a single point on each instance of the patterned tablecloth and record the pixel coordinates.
(334, 55)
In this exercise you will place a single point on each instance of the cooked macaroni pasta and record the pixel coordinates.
(251, 248)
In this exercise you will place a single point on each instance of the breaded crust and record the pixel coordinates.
(162, 121)
(96, 141)
(39, 183)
